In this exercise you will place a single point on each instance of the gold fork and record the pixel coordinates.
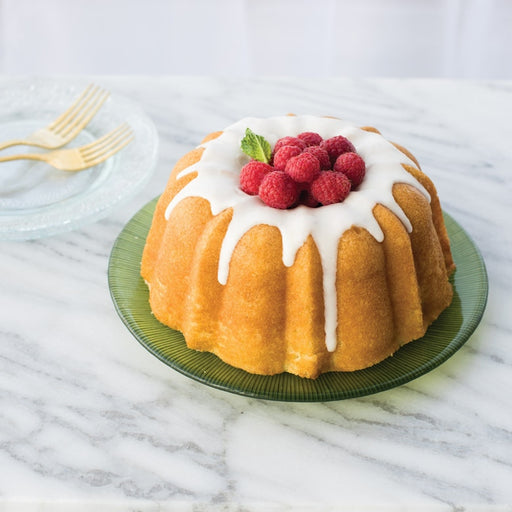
(68, 125)
(77, 159)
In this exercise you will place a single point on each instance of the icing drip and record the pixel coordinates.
(218, 181)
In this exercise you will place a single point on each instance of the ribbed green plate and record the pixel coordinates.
(442, 340)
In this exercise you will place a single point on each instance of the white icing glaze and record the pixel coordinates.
(218, 181)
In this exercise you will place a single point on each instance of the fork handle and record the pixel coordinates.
(28, 156)
(15, 142)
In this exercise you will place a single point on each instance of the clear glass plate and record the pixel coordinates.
(37, 200)
(442, 339)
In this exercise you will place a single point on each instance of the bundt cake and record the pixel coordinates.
(322, 281)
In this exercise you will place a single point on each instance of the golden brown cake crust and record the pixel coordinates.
(269, 318)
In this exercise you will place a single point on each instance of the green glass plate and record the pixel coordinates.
(444, 337)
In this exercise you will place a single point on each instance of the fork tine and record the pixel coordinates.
(71, 112)
(78, 112)
(103, 156)
(109, 141)
(89, 111)
(106, 147)
(72, 107)
(105, 138)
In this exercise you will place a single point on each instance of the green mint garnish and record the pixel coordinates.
(256, 146)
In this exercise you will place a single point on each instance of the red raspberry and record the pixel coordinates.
(322, 155)
(278, 190)
(284, 154)
(252, 175)
(352, 166)
(303, 168)
(336, 146)
(310, 138)
(306, 198)
(289, 141)
(330, 187)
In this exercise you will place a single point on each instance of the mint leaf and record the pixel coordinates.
(256, 146)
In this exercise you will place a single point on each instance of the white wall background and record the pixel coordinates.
(396, 38)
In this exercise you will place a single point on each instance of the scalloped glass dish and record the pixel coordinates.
(37, 200)
(443, 338)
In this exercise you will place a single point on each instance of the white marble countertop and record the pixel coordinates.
(91, 421)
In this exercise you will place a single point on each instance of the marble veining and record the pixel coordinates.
(91, 421)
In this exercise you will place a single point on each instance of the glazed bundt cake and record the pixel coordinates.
(285, 262)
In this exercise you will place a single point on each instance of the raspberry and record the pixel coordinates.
(278, 190)
(310, 138)
(336, 146)
(321, 154)
(352, 166)
(252, 175)
(330, 187)
(306, 198)
(303, 168)
(284, 154)
(289, 141)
